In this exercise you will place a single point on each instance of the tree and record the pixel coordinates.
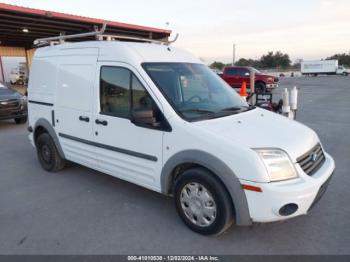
(248, 62)
(343, 59)
(217, 65)
(275, 60)
(270, 60)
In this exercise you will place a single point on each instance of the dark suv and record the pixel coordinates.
(13, 105)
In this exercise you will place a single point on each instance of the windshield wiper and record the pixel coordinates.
(197, 110)
(238, 108)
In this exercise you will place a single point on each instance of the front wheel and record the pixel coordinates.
(203, 202)
(48, 155)
(260, 88)
(345, 73)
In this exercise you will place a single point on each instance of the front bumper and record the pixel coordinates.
(14, 109)
(304, 191)
(271, 86)
(13, 115)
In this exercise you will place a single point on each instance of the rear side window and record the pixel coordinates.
(231, 71)
(115, 91)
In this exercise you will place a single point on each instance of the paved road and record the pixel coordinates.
(81, 211)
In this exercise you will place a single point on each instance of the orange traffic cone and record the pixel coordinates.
(243, 91)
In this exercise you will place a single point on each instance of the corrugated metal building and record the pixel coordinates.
(20, 26)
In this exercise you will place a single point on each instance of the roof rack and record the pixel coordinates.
(99, 36)
(141, 39)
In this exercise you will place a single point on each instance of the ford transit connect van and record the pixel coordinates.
(158, 117)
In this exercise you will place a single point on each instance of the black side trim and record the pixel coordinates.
(112, 148)
(40, 103)
(53, 117)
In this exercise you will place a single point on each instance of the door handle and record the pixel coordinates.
(84, 118)
(101, 122)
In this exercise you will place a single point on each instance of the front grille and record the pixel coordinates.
(312, 160)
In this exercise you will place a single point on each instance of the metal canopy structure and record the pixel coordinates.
(20, 26)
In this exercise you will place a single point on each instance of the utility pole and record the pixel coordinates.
(234, 54)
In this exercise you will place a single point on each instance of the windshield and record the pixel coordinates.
(194, 91)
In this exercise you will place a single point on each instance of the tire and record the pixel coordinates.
(48, 155)
(214, 199)
(260, 87)
(345, 73)
(21, 120)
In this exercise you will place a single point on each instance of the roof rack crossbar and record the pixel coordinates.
(61, 38)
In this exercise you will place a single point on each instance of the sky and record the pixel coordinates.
(306, 29)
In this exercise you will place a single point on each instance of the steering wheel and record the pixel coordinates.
(194, 97)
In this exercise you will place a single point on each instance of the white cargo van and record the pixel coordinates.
(158, 117)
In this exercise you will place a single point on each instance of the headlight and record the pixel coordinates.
(23, 99)
(278, 164)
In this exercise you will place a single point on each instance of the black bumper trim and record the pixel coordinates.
(321, 192)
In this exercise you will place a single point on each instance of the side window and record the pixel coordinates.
(123, 95)
(115, 91)
(231, 71)
(140, 98)
(243, 72)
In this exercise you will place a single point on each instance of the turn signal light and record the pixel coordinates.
(251, 188)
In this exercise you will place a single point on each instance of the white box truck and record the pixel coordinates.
(325, 67)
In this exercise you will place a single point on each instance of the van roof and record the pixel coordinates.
(129, 52)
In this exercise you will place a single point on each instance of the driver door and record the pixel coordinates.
(124, 149)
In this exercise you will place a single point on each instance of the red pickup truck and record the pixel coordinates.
(235, 75)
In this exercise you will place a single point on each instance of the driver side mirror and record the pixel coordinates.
(144, 117)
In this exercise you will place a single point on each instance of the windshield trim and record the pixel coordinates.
(201, 117)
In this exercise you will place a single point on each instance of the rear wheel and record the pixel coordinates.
(48, 155)
(203, 202)
(21, 120)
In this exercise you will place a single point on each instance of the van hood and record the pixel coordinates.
(259, 128)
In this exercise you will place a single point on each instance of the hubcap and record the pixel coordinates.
(198, 204)
(46, 154)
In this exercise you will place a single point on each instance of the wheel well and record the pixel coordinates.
(38, 131)
(179, 169)
(260, 82)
